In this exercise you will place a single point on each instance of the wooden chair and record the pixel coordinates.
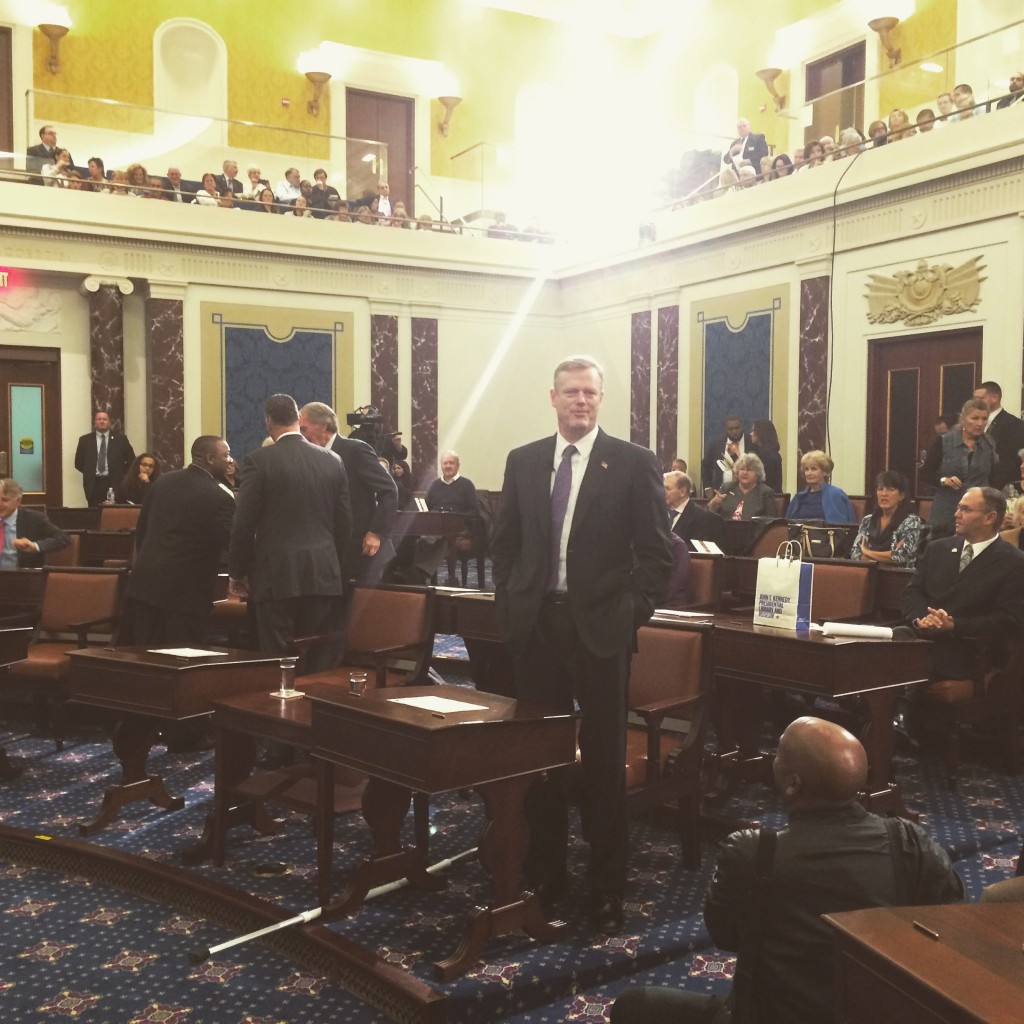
(842, 590)
(118, 517)
(670, 678)
(390, 633)
(705, 583)
(77, 604)
(992, 696)
(768, 543)
(69, 557)
(860, 504)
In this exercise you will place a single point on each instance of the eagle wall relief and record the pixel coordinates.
(923, 295)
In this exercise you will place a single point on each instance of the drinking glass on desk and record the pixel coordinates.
(357, 683)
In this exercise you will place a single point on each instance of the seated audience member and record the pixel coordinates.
(208, 194)
(878, 133)
(782, 166)
(765, 441)
(892, 533)
(766, 168)
(798, 158)
(820, 499)
(967, 588)
(1016, 91)
(138, 180)
(424, 222)
(44, 153)
(947, 109)
(27, 535)
(925, 120)
(686, 518)
(962, 457)
(321, 194)
(288, 189)
(501, 228)
(403, 481)
(228, 178)
(306, 191)
(364, 215)
(748, 496)
(141, 473)
(97, 180)
(77, 183)
(384, 199)
(963, 97)
(299, 208)
(226, 199)
(255, 184)
(899, 126)
(173, 189)
(338, 210)
(678, 465)
(399, 216)
(851, 142)
(156, 189)
(1014, 490)
(265, 201)
(771, 889)
(56, 174)
(119, 184)
(814, 155)
(829, 147)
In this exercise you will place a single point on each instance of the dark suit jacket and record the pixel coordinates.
(374, 498)
(698, 523)
(1007, 432)
(222, 183)
(293, 521)
(1015, 97)
(182, 530)
(710, 474)
(619, 559)
(986, 599)
(188, 192)
(120, 455)
(36, 527)
(36, 157)
(755, 146)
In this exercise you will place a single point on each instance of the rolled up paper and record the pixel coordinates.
(860, 630)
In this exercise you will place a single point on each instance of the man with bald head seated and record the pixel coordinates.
(832, 856)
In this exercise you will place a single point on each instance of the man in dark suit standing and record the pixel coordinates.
(725, 450)
(184, 526)
(372, 492)
(25, 535)
(291, 532)
(686, 518)
(747, 149)
(581, 556)
(36, 157)
(103, 457)
(1006, 432)
(969, 587)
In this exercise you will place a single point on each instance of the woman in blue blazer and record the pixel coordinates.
(820, 499)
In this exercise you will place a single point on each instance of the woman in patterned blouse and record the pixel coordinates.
(891, 533)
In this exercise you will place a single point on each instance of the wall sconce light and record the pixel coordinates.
(319, 80)
(768, 76)
(449, 103)
(55, 33)
(884, 27)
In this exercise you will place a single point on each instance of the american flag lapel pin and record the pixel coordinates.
(604, 465)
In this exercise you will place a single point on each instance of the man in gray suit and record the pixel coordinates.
(292, 525)
(581, 555)
(372, 491)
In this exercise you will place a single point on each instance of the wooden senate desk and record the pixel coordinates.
(13, 647)
(889, 972)
(873, 671)
(152, 690)
(497, 750)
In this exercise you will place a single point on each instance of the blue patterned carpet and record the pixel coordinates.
(77, 948)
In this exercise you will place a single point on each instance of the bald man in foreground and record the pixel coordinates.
(832, 856)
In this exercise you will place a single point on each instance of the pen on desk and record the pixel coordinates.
(925, 930)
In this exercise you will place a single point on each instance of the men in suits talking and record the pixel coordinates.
(581, 555)
(183, 528)
(969, 587)
(102, 457)
(372, 491)
(291, 532)
(25, 535)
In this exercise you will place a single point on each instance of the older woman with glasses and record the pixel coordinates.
(748, 495)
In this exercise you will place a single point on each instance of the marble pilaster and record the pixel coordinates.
(106, 344)
(384, 367)
(668, 384)
(165, 391)
(640, 379)
(812, 402)
(423, 447)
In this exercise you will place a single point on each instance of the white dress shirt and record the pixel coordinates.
(584, 446)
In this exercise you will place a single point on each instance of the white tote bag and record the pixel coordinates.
(784, 589)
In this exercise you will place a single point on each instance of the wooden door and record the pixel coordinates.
(30, 425)
(381, 118)
(911, 382)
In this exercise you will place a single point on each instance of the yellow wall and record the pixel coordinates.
(930, 30)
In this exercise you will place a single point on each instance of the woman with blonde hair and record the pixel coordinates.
(820, 499)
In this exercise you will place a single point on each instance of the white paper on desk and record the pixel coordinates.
(189, 652)
(857, 629)
(679, 613)
(441, 704)
(706, 547)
